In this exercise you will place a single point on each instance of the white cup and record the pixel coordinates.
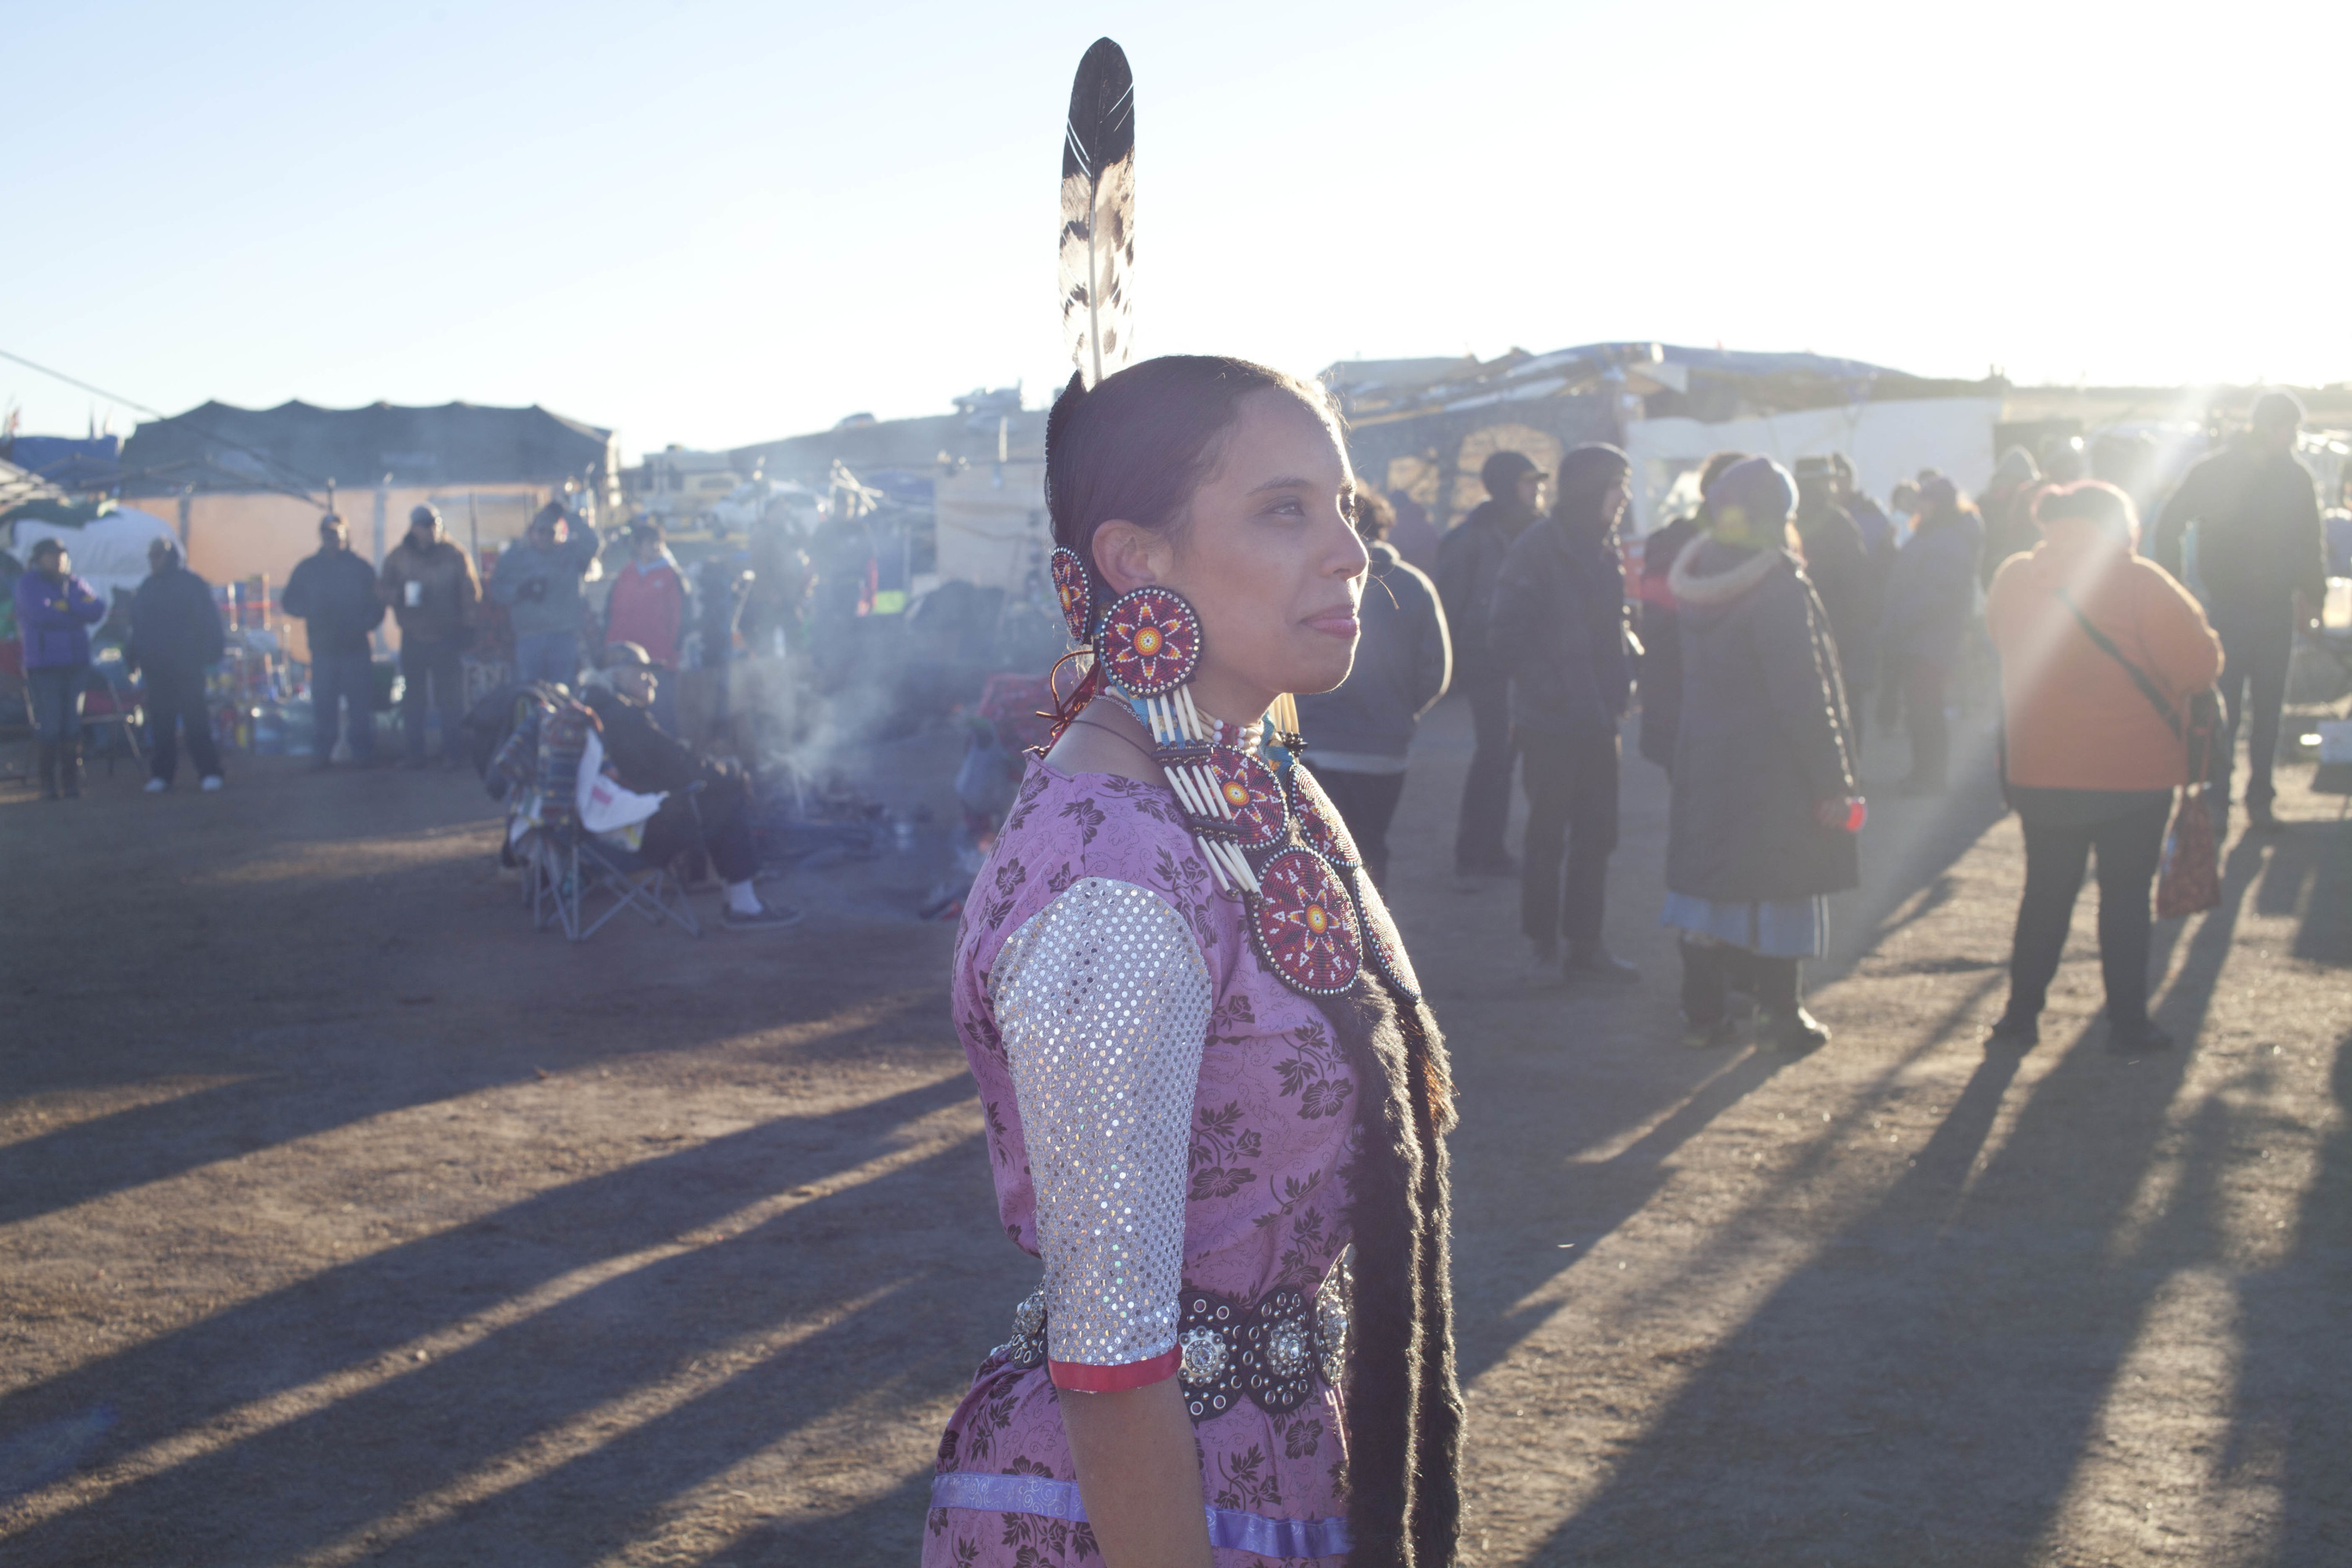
(415, 592)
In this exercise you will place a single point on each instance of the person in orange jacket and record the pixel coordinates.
(2090, 637)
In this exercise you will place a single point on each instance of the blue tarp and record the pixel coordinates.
(70, 463)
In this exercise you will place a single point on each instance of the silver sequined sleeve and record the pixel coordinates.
(1103, 1002)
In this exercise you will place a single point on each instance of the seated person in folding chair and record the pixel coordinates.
(649, 759)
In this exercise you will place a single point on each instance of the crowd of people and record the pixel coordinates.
(1774, 619)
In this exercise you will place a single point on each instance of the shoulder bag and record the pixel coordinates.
(2189, 881)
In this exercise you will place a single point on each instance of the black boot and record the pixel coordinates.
(70, 770)
(1704, 1019)
(1780, 994)
(46, 763)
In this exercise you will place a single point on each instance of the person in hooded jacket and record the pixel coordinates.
(2091, 761)
(1766, 805)
(1360, 733)
(175, 634)
(1929, 599)
(1661, 642)
(1837, 562)
(1557, 631)
(334, 593)
(1469, 559)
(54, 610)
(2261, 560)
(538, 583)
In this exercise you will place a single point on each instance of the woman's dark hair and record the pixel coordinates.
(1372, 514)
(1138, 443)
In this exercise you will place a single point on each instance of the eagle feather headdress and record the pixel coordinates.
(1098, 215)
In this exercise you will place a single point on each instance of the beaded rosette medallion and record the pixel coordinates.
(1265, 828)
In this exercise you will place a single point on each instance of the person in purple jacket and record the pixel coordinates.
(54, 610)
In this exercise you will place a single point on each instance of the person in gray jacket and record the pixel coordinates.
(1765, 806)
(538, 583)
(1358, 736)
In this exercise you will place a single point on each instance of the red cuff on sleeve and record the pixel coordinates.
(1080, 1378)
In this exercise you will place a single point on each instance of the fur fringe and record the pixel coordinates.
(1404, 1409)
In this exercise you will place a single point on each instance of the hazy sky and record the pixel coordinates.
(719, 223)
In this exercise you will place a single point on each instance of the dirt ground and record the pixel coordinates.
(343, 1218)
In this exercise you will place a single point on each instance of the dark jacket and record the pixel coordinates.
(1933, 592)
(334, 593)
(54, 615)
(2259, 539)
(1838, 564)
(1764, 734)
(541, 587)
(1469, 559)
(1403, 661)
(1661, 643)
(1558, 630)
(647, 757)
(448, 591)
(176, 627)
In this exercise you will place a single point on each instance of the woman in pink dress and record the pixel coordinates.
(1214, 1101)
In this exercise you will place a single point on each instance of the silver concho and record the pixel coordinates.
(1286, 1350)
(1205, 1355)
(1026, 1347)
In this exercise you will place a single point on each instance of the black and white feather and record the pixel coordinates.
(1098, 215)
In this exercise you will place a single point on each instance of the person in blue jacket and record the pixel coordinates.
(54, 610)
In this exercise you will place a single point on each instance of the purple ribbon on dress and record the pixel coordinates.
(1230, 1530)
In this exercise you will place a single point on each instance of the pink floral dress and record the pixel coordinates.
(1171, 1132)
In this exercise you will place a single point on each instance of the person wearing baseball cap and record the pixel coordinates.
(716, 819)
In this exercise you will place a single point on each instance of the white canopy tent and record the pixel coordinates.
(108, 553)
(1887, 441)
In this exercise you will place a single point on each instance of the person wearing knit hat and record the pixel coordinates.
(1469, 559)
(2090, 758)
(2260, 563)
(1559, 632)
(1766, 807)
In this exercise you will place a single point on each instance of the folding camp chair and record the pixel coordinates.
(570, 869)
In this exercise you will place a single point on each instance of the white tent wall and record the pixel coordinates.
(108, 553)
(1887, 441)
(991, 524)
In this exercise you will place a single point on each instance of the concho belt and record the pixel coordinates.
(1268, 1351)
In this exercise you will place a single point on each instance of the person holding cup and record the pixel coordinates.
(430, 584)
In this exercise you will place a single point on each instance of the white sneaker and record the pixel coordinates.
(212, 783)
(156, 786)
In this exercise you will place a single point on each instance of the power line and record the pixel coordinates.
(306, 480)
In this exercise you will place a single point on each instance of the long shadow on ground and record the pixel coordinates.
(1923, 1390)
